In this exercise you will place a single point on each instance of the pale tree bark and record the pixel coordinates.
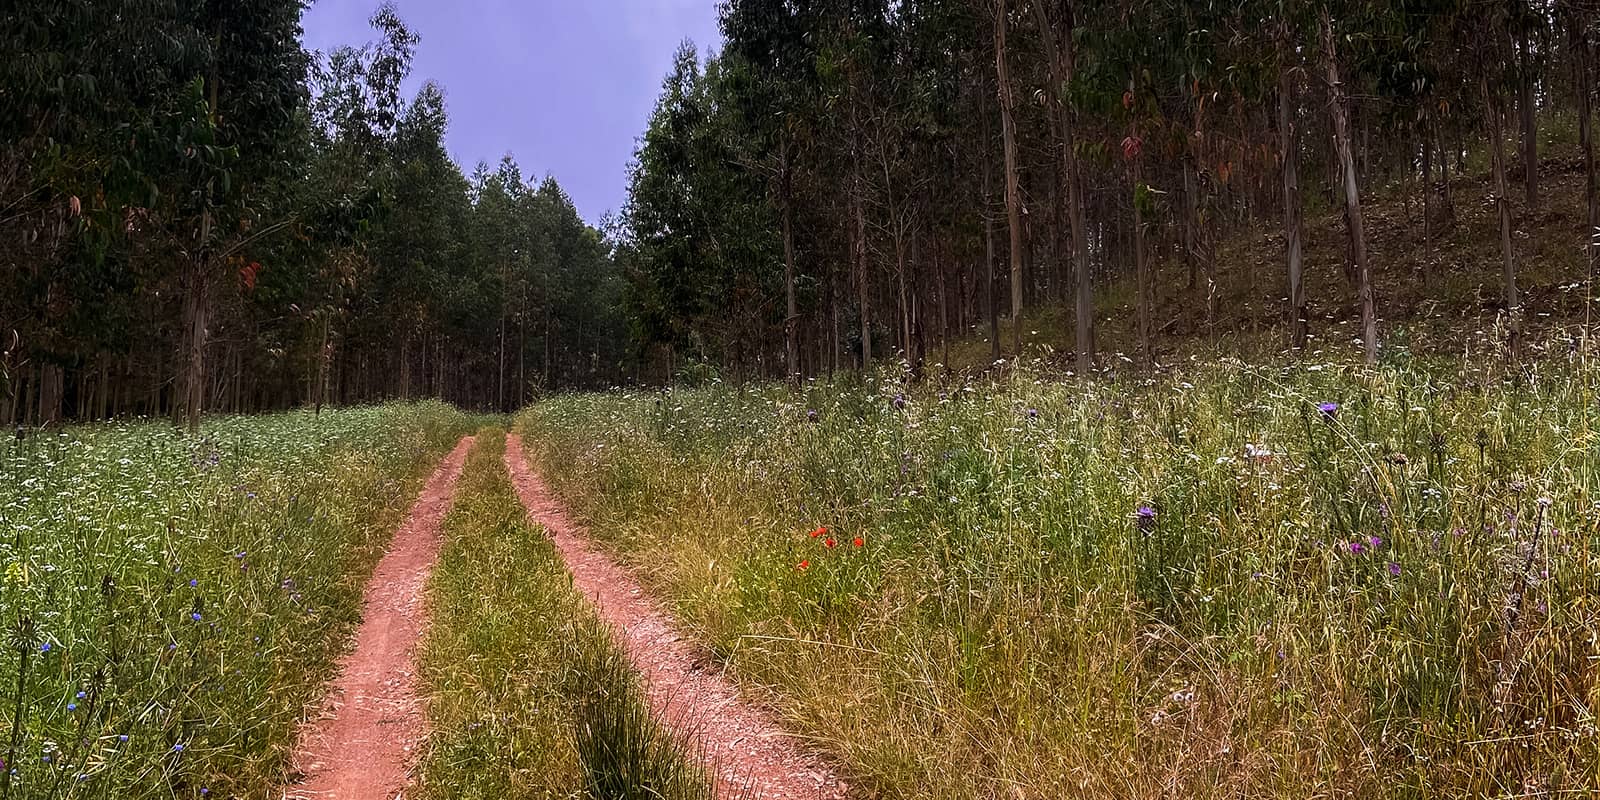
(863, 284)
(1530, 124)
(196, 309)
(791, 319)
(1289, 146)
(1583, 65)
(1013, 190)
(1061, 56)
(990, 301)
(1497, 161)
(1141, 268)
(1427, 207)
(1340, 110)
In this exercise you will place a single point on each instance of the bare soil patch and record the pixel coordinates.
(363, 744)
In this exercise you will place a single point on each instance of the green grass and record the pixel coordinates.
(172, 604)
(1009, 628)
(528, 695)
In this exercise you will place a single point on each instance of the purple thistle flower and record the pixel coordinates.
(1375, 542)
(1145, 518)
(1394, 568)
(1355, 548)
(1328, 409)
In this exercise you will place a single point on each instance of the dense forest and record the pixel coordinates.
(200, 215)
(854, 180)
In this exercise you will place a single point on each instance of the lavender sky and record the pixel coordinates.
(564, 85)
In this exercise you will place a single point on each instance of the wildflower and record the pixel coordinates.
(1394, 568)
(72, 706)
(804, 565)
(820, 531)
(1145, 518)
(1355, 548)
(1329, 410)
(1033, 413)
(858, 542)
(194, 582)
(1375, 542)
(177, 748)
(828, 543)
(122, 738)
(81, 695)
(195, 615)
(1544, 502)
(44, 648)
(899, 402)
(811, 415)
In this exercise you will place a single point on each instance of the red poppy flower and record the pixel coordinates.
(802, 566)
(858, 542)
(829, 543)
(818, 532)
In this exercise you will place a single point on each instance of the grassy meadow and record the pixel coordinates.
(1298, 580)
(171, 604)
(528, 694)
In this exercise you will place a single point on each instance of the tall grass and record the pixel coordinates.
(172, 604)
(528, 695)
(1203, 585)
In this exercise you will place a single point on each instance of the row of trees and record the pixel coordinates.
(849, 179)
(200, 215)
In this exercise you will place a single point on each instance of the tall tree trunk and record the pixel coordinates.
(196, 307)
(1497, 161)
(1530, 125)
(1061, 56)
(500, 375)
(1582, 64)
(1427, 208)
(1191, 223)
(52, 393)
(863, 283)
(991, 304)
(1289, 146)
(1141, 267)
(1340, 108)
(791, 318)
(1013, 191)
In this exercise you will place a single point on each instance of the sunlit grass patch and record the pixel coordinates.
(173, 604)
(528, 694)
(1273, 581)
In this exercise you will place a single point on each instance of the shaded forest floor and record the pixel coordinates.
(1244, 312)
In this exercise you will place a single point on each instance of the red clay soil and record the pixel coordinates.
(361, 746)
(742, 745)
